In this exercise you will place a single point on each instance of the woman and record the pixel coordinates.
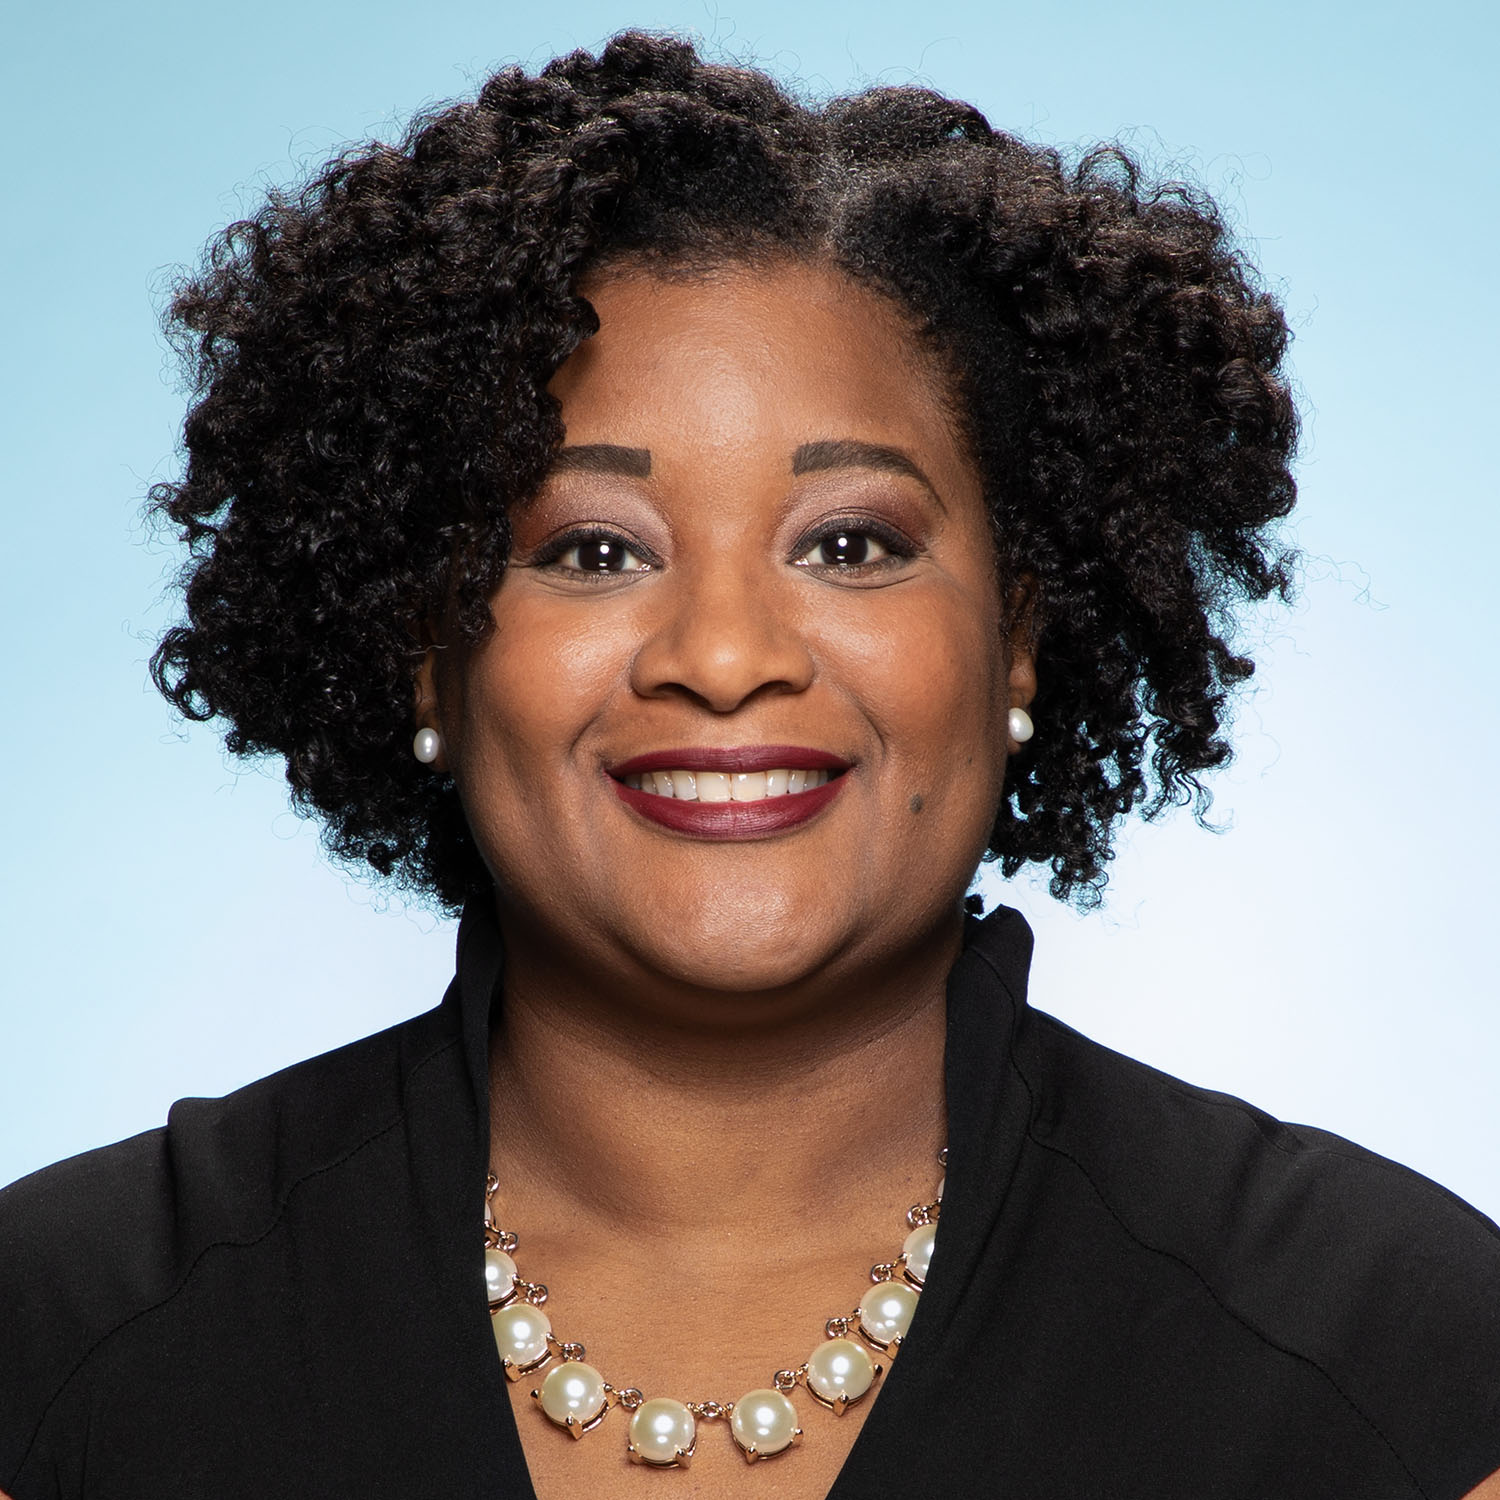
(686, 532)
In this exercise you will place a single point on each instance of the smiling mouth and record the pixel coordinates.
(727, 786)
(720, 793)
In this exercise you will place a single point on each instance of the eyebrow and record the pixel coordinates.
(849, 453)
(809, 458)
(604, 458)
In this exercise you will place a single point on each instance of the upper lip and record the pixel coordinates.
(731, 758)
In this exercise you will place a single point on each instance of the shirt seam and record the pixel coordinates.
(1229, 1311)
(227, 1243)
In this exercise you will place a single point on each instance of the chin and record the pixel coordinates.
(747, 948)
(743, 963)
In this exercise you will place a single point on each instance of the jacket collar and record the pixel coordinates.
(986, 1005)
(476, 992)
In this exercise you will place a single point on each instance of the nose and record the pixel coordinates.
(722, 639)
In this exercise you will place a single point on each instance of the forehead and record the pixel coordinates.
(781, 354)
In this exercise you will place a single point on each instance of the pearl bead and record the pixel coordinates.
(662, 1432)
(499, 1275)
(839, 1372)
(1018, 721)
(426, 745)
(763, 1422)
(918, 1251)
(573, 1396)
(886, 1312)
(520, 1335)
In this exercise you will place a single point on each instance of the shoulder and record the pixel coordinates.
(104, 1240)
(1202, 1168)
(1383, 1282)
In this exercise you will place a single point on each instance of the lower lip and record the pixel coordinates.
(731, 820)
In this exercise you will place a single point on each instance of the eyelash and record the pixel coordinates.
(553, 551)
(898, 548)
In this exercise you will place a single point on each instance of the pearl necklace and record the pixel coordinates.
(664, 1432)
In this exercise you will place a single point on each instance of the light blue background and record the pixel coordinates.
(170, 928)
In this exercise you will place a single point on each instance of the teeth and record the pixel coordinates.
(722, 786)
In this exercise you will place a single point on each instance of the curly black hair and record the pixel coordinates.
(371, 358)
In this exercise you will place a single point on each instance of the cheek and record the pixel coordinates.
(525, 698)
(930, 678)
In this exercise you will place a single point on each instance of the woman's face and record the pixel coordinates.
(761, 562)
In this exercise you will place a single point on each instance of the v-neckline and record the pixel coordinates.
(975, 1044)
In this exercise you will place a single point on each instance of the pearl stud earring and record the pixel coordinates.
(427, 745)
(1019, 723)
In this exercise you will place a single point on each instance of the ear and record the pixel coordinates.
(1023, 628)
(426, 707)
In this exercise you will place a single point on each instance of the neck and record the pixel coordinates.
(610, 1105)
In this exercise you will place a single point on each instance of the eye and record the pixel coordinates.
(845, 548)
(594, 554)
(601, 554)
(851, 547)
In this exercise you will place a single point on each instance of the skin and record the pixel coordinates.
(901, 667)
(674, 1006)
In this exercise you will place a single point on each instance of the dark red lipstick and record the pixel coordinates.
(731, 820)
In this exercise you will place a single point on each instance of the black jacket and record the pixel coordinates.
(1170, 1293)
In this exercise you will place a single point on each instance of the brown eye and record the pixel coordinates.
(600, 555)
(595, 555)
(847, 547)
